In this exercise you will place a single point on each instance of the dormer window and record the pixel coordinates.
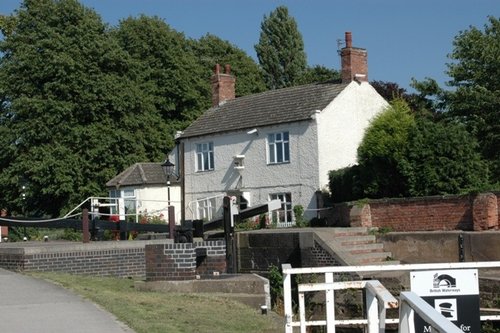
(278, 148)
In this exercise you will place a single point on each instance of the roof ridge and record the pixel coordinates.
(142, 173)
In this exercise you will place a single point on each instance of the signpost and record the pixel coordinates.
(453, 293)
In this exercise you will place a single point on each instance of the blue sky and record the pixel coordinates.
(404, 38)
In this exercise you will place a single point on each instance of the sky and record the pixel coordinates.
(404, 39)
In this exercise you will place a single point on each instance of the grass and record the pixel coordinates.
(152, 312)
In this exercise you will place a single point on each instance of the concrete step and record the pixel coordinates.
(351, 231)
(355, 240)
(373, 257)
(364, 248)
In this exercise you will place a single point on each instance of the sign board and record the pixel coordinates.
(453, 293)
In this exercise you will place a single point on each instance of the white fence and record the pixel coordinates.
(378, 299)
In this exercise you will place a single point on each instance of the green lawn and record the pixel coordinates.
(152, 312)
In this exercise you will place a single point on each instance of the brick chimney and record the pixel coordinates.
(222, 85)
(354, 62)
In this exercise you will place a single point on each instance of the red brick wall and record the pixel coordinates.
(466, 212)
(423, 214)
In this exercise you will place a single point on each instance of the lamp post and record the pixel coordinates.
(168, 170)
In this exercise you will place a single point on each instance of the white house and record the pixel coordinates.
(143, 186)
(279, 144)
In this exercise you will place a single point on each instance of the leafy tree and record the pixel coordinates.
(71, 117)
(475, 98)
(442, 158)
(165, 68)
(318, 74)
(281, 50)
(211, 50)
(381, 152)
(404, 155)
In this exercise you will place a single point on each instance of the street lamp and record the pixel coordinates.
(168, 170)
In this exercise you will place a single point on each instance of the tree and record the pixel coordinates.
(381, 152)
(211, 50)
(281, 50)
(166, 69)
(405, 155)
(475, 99)
(442, 158)
(71, 116)
(318, 74)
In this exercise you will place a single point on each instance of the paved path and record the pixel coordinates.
(29, 305)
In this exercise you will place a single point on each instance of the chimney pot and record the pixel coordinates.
(217, 69)
(348, 39)
(227, 69)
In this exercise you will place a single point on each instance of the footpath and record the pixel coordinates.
(29, 305)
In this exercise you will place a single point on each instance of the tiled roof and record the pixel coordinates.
(264, 109)
(140, 174)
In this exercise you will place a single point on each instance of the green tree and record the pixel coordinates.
(475, 99)
(381, 152)
(281, 50)
(443, 158)
(166, 69)
(71, 115)
(318, 74)
(211, 50)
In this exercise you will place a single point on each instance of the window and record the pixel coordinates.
(278, 148)
(205, 156)
(283, 215)
(206, 209)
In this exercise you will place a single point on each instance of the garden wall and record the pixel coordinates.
(468, 212)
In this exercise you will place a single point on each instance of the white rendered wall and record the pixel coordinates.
(341, 126)
(299, 176)
(153, 201)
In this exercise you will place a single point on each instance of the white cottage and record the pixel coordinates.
(143, 186)
(279, 144)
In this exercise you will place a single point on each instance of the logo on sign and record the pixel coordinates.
(447, 307)
(444, 280)
(444, 283)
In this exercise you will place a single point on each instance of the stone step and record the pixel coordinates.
(354, 240)
(350, 231)
(364, 248)
(373, 257)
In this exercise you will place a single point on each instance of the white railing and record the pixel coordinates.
(411, 303)
(373, 318)
(138, 208)
(378, 299)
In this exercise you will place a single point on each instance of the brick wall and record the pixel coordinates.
(121, 259)
(184, 261)
(437, 213)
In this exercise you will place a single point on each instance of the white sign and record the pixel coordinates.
(445, 282)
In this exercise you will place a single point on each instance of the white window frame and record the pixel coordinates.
(205, 209)
(278, 147)
(204, 156)
(283, 216)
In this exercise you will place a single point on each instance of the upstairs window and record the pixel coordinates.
(205, 156)
(278, 148)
